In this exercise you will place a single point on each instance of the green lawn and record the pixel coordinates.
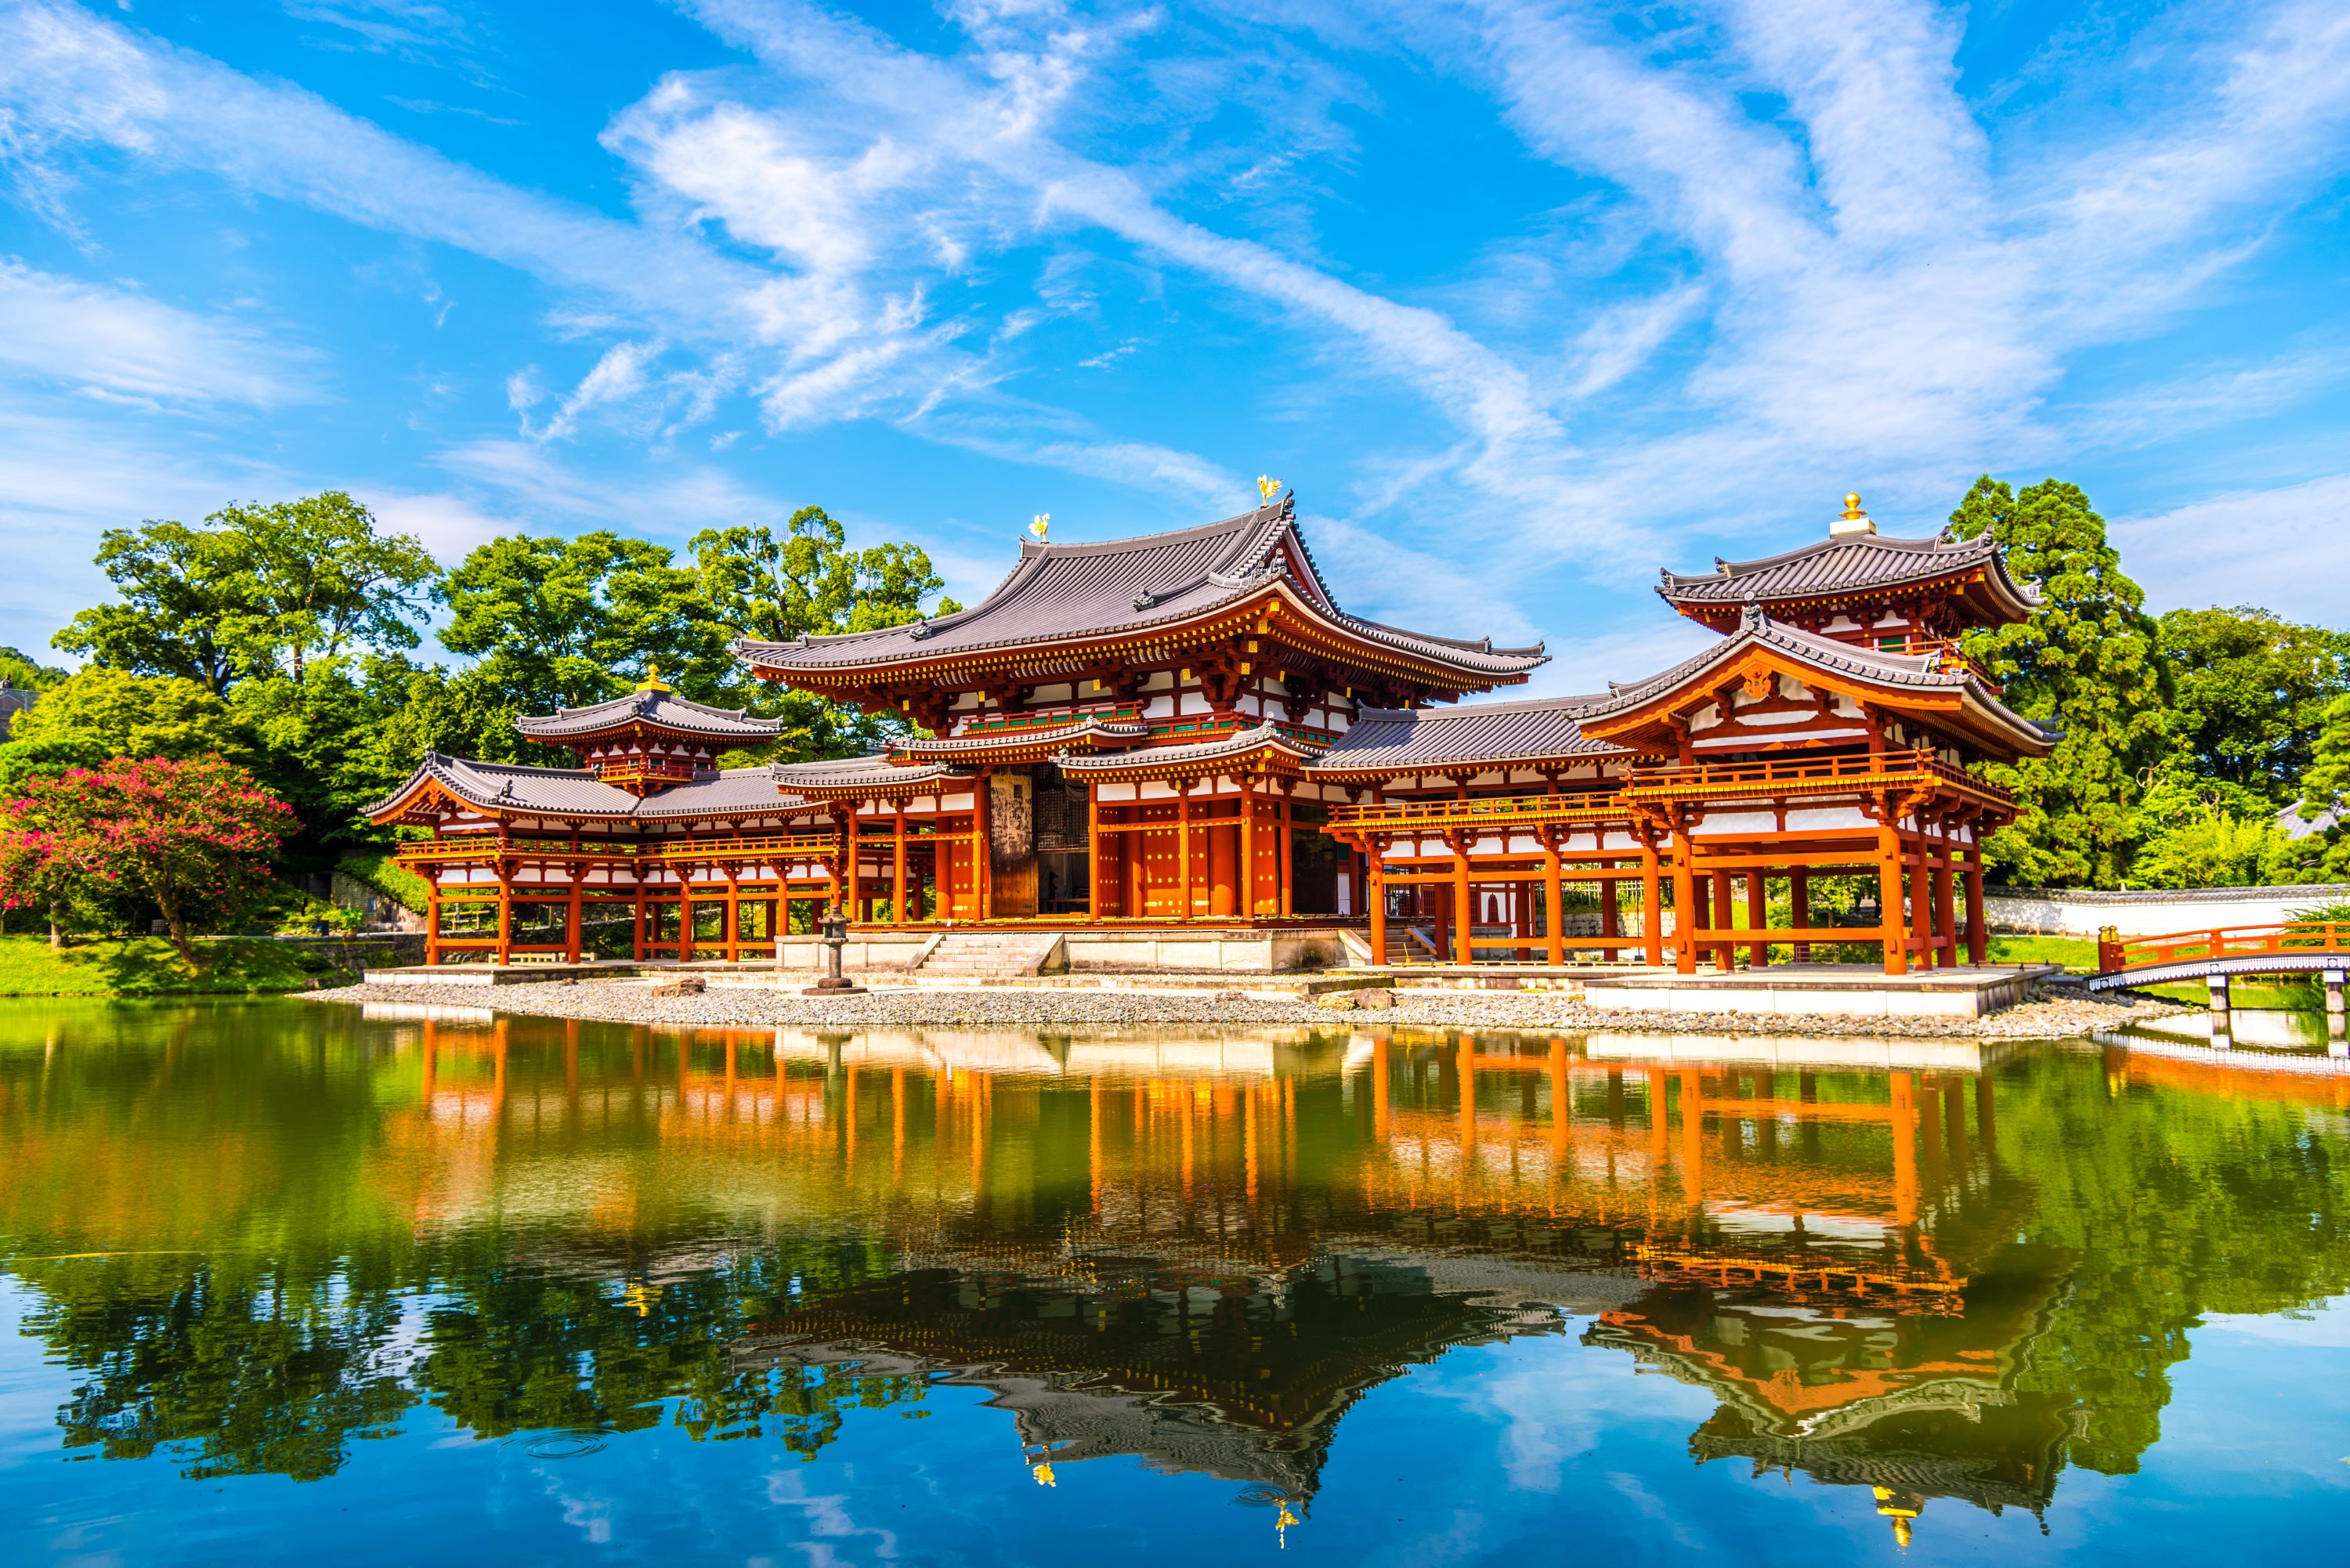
(2073, 952)
(146, 966)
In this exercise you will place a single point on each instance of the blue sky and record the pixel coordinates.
(1524, 300)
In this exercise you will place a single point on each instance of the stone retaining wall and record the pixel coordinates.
(2150, 912)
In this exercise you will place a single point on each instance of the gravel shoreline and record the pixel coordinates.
(2057, 1012)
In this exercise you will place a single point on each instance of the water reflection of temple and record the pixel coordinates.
(1202, 1251)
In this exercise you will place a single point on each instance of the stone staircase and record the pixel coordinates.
(986, 955)
(1403, 948)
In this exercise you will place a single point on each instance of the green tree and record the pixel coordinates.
(808, 581)
(568, 622)
(185, 609)
(2250, 693)
(101, 712)
(323, 581)
(21, 670)
(259, 590)
(2210, 833)
(2084, 661)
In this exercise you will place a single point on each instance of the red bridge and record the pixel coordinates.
(2300, 947)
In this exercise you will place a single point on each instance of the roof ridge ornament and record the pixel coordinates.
(1267, 487)
(652, 680)
(1852, 520)
(1750, 618)
(1039, 525)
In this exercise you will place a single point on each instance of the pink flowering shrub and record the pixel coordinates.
(194, 838)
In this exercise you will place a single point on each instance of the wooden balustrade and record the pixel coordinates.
(1806, 773)
(787, 846)
(1533, 810)
(2116, 952)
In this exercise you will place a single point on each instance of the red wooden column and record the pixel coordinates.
(685, 913)
(1758, 918)
(1247, 877)
(1465, 912)
(1946, 934)
(1611, 917)
(734, 913)
(636, 935)
(1093, 851)
(1921, 900)
(506, 912)
(1687, 914)
(431, 917)
(1183, 848)
(1554, 902)
(983, 844)
(1374, 881)
(1892, 927)
(571, 931)
(898, 868)
(1799, 904)
(1978, 938)
(1285, 878)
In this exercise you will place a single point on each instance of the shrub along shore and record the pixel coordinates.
(147, 966)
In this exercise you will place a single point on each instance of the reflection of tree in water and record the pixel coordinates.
(272, 1373)
(243, 1368)
(330, 1254)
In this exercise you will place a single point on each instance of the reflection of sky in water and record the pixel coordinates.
(800, 1299)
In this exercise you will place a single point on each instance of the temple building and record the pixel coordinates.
(1186, 730)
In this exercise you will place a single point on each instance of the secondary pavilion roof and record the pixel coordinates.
(862, 777)
(1852, 566)
(1127, 590)
(1266, 747)
(1386, 741)
(652, 707)
(1922, 684)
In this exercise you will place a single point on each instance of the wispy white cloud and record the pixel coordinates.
(119, 344)
(2286, 548)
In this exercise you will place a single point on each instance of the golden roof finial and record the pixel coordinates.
(1281, 1523)
(1267, 487)
(1853, 520)
(652, 680)
(1038, 524)
(1044, 1474)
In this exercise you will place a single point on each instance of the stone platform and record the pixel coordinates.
(1820, 991)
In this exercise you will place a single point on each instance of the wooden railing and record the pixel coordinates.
(1407, 815)
(787, 846)
(2115, 953)
(1806, 773)
(1047, 718)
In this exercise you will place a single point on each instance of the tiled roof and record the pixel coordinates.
(655, 709)
(510, 786)
(877, 771)
(1240, 744)
(576, 792)
(1062, 591)
(1012, 739)
(1921, 671)
(720, 793)
(1846, 563)
(1387, 740)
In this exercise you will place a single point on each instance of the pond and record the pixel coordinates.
(286, 1281)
